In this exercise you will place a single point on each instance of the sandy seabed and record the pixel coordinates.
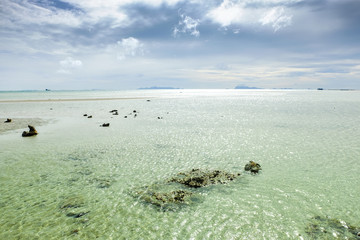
(20, 123)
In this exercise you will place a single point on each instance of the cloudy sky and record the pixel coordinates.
(129, 44)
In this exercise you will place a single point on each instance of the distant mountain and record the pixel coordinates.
(245, 87)
(152, 88)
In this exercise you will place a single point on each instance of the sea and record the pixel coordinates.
(79, 180)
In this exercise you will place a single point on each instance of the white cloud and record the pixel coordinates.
(26, 12)
(277, 18)
(130, 47)
(69, 64)
(187, 25)
(252, 12)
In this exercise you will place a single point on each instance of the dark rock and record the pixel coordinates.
(134, 111)
(159, 117)
(113, 111)
(90, 116)
(125, 116)
(253, 167)
(325, 227)
(8, 120)
(135, 115)
(148, 100)
(32, 132)
(169, 200)
(76, 215)
(85, 115)
(198, 178)
(105, 125)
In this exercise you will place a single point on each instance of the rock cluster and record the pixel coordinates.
(180, 190)
(200, 178)
(32, 132)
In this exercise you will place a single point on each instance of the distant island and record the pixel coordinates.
(152, 88)
(245, 87)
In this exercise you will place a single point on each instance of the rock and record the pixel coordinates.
(76, 214)
(90, 116)
(325, 227)
(113, 111)
(8, 120)
(198, 178)
(168, 200)
(125, 116)
(32, 132)
(253, 167)
(105, 125)
(148, 100)
(85, 115)
(134, 111)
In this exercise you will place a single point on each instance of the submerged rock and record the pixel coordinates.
(200, 178)
(32, 132)
(72, 202)
(161, 196)
(76, 214)
(253, 167)
(331, 228)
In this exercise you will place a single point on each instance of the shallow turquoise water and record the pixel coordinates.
(306, 141)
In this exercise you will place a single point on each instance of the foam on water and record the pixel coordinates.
(75, 180)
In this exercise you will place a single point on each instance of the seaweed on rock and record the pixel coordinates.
(167, 197)
(330, 228)
(200, 178)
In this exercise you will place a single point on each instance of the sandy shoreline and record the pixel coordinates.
(20, 123)
(70, 99)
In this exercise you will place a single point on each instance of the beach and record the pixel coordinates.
(79, 180)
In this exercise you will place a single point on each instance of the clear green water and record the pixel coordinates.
(308, 143)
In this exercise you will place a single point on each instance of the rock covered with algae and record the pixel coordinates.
(253, 167)
(331, 228)
(165, 196)
(32, 132)
(197, 178)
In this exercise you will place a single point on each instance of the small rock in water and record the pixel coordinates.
(8, 120)
(105, 125)
(90, 116)
(32, 132)
(76, 215)
(253, 167)
(85, 115)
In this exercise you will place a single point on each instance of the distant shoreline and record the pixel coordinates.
(69, 99)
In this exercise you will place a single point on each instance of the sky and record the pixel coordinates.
(131, 44)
